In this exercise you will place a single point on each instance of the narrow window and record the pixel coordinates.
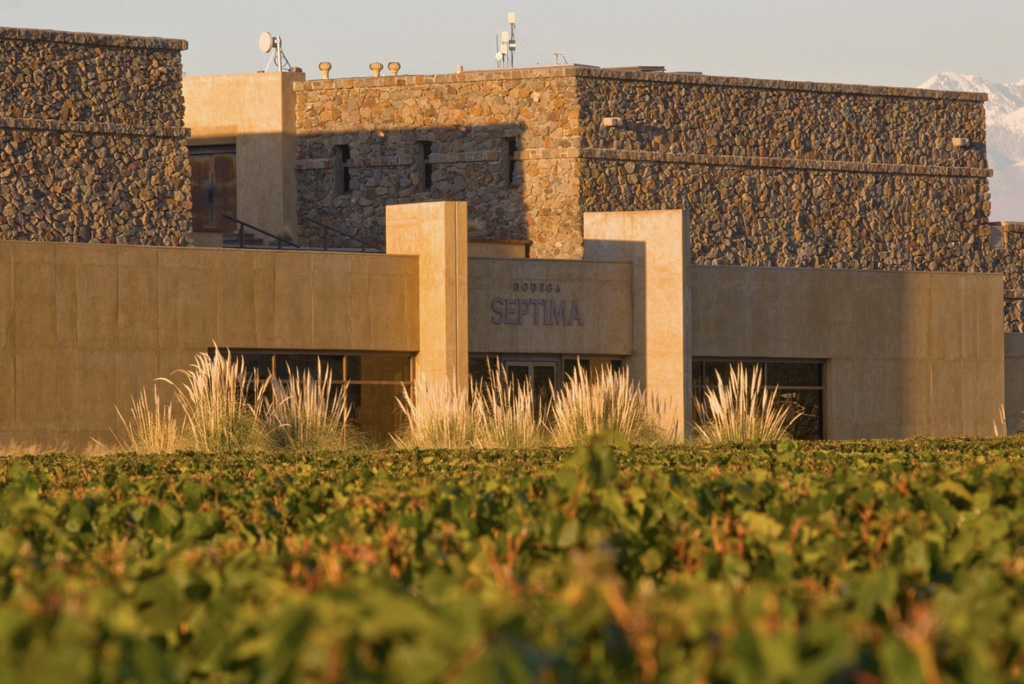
(426, 170)
(342, 169)
(511, 172)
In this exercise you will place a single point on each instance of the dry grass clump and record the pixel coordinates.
(220, 406)
(504, 411)
(307, 415)
(438, 415)
(149, 429)
(609, 401)
(743, 410)
(223, 404)
(501, 413)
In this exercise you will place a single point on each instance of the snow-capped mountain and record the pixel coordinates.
(1004, 118)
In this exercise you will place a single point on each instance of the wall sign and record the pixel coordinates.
(535, 310)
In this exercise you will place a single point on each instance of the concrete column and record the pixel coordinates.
(436, 232)
(657, 244)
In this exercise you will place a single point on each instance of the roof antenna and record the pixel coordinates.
(269, 43)
(506, 45)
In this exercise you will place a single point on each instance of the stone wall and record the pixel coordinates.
(479, 127)
(92, 139)
(794, 174)
(775, 173)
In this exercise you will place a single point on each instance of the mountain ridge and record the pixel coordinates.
(1004, 137)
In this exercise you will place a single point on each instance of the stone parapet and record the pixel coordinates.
(91, 130)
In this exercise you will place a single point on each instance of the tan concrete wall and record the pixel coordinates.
(524, 306)
(1013, 348)
(255, 112)
(655, 244)
(906, 353)
(84, 328)
(436, 232)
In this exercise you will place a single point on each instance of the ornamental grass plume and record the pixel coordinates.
(504, 411)
(438, 415)
(307, 414)
(223, 404)
(743, 410)
(149, 428)
(609, 401)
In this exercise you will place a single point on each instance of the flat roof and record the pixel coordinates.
(631, 74)
(98, 39)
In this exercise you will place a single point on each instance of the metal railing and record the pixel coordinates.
(366, 244)
(243, 226)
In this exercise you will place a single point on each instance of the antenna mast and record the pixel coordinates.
(269, 43)
(505, 56)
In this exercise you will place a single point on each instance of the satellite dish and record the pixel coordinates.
(266, 42)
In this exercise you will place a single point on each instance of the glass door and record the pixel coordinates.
(540, 374)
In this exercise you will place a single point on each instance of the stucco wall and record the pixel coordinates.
(85, 328)
(256, 114)
(906, 353)
(92, 140)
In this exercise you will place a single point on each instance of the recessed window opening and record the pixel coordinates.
(544, 374)
(375, 380)
(512, 172)
(426, 169)
(800, 382)
(342, 169)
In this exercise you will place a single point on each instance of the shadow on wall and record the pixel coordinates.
(345, 180)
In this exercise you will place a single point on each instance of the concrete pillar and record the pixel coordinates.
(657, 244)
(436, 233)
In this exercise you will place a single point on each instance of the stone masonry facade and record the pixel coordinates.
(775, 173)
(92, 139)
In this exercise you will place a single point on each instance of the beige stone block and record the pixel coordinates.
(8, 405)
(138, 308)
(137, 369)
(169, 282)
(7, 295)
(947, 394)
(265, 305)
(916, 394)
(236, 310)
(196, 308)
(293, 302)
(97, 306)
(915, 321)
(66, 300)
(946, 327)
(96, 394)
(35, 320)
(35, 390)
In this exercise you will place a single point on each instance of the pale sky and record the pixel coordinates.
(876, 42)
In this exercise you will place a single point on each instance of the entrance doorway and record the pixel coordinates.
(541, 374)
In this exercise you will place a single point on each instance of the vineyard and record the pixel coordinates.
(859, 562)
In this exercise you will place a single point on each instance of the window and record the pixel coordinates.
(513, 172)
(375, 381)
(342, 169)
(545, 374)
(426, 170)
(800, 382)
(213, 188)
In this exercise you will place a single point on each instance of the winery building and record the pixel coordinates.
(542, 217)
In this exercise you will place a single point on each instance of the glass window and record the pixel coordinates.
(799, 381)
(375, 381)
